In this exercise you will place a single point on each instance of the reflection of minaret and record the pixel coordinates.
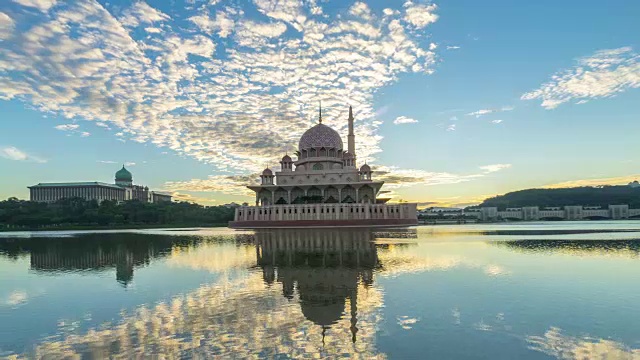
(324, 267)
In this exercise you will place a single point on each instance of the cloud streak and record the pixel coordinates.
(404, 120)
(603, 74)
(13, 153)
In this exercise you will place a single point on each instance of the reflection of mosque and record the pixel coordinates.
(97, 252)
(324, 268)
(593, 247)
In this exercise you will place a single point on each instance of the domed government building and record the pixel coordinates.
(122, 190)
(323, 187)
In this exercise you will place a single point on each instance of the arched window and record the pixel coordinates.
(317, 166)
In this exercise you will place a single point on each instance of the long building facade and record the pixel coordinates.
(122, 190)
(322, 187)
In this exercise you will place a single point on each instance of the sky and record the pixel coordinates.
(454, 101)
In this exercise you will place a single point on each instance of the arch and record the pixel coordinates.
(365, 194)
(318, 166)
(331, 192)
(314, 153)
(323, 152)
(348, 194)
(296, 195)
(332, 152)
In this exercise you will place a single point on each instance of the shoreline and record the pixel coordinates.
(112, 227)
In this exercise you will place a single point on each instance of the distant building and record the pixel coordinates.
(572, 212)
(634, 184)
(122, 190)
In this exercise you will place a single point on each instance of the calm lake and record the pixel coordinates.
(566, 290)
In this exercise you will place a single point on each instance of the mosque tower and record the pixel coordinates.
(351, 138)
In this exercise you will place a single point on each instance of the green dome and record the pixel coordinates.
(123, 175)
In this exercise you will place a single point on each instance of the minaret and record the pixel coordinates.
(351, 138)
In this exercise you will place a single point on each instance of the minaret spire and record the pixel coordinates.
(320, 118)
(351, 138)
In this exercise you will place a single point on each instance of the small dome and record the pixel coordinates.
(267, 172)
(365, 168)
(320, 136)
(123, 175)
(286, 158)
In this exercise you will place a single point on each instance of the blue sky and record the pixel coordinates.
(454, 101)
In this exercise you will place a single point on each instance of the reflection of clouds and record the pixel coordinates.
(495, 270)
(212, 257)
(16, 298)
(406, 322)
(558, 345)
(230, 319)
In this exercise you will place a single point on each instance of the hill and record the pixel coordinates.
(586, 196)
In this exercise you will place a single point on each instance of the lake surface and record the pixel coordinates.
(526, 291)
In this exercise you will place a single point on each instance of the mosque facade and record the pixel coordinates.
(122, 190)
(323, 187)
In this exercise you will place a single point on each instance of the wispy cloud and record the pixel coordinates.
(7, 26)
(42, 5)
(482, 112)
(494, 168)
(451, 127)
(404, 120)
(496, 121)
(453, 47)
(603, 74)
(13, 153)
(67, 127)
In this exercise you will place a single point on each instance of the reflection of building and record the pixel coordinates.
(322, 187)
(101, 252)
(323, 268)
(122, 190)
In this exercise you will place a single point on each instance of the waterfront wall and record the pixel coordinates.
(325, 215)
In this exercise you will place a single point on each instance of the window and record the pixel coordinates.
(318, 166)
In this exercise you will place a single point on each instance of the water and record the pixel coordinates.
(526, 291)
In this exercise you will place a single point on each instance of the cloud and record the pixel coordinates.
(67, 127)
(451, 127)
(214, 88)
(85, 134)
(6, 26)
(420, 15)
(482, 112)
(407, 322)
(453, 47)
(42, 5)
(107, 162)
(601, 75)
(494, 168)
(141, 13)
(404, 120)
(13, 153)
(496, 121)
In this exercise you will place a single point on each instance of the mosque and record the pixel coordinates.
(122, 190)
(323, 187)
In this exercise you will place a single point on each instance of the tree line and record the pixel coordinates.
(71, 212)
(585, 196)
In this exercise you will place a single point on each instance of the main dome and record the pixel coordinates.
(320, 136)
(123, 175)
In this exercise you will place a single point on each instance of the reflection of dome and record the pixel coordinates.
(365, 168)
(123, 175)
(320, 136)
(267, 172)
(321, 313)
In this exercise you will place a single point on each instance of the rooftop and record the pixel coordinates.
(72, 184)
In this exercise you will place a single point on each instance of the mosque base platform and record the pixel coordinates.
(270, 224)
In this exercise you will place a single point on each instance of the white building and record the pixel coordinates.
(322, 187)
(122, 190)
